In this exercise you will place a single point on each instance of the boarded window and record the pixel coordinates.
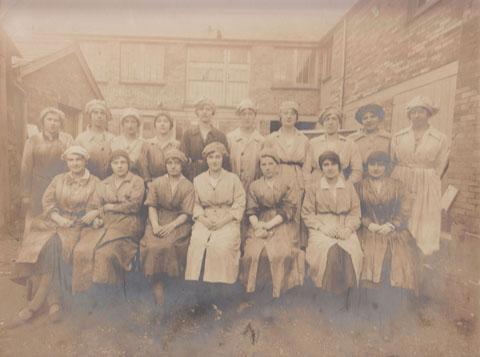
(219, 73)
(417, 7)
(98, 56)
(142, 63)
(326, 52)
(294, 67)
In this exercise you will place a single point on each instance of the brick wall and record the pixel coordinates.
(62, 81)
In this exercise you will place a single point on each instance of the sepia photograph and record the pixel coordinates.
(240, 178)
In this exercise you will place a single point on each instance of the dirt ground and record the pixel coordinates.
(304, 322)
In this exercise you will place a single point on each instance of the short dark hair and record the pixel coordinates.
(330, 156)
(379, 157)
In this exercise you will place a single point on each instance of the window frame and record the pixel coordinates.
(292, 83)
(326, 57)
(143, 81)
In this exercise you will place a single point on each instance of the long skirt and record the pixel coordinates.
(165, 255)
(320, 259)
(103, 255)
(286, 262)
(396, 252)
(221, 250)
(426, 214)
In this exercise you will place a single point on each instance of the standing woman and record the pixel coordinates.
(218, 211)
(245, 143)
(163, 141)
(129, 141)
(292, 148)
(389, 248)
(350, 160)
(370, 137)
(420, 153)
(41, 160)
(170, 200)
(331, 211)
(106, 251)
(49, 244)
(272, 245)
(195, 139)
(96, 139)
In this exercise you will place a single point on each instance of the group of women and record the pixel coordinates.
(217, 208)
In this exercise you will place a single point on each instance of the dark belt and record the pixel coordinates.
(294, 163)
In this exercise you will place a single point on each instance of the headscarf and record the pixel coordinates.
(122, 153)
(214, 147)
(48, 110)
(267, 152)
(175, 154)
(95, 103)
(369, 108)
(289, 104)
(246, 104)
(330, 111)
(423, 102)
(205, 102)
(131, 112)
(77, 150)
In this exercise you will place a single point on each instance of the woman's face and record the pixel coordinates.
(119, 166)
(52, 123)
(247, 119)
(376, 169)
(130, 125)
(419, 116)
(162, 125)
(288, 117)
(331, 124)
(174, 167)
(98, 117)
(268, 167)
(370, 121)
(330, 169)
(76, 164)
(205, 114)
(214, 161)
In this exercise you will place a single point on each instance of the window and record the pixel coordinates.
(294, 67)
(326, 53)
(219, 73)
(98, 55)
(142, 63)
(417, 7)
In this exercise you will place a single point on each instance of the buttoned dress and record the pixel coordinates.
(41, 162)
(295, 166)
(192, 144)
(167, 254)
(137, 151)
(393, 256)
(221, 247)
(371, 142)
(99, 150)
(244, 155)
(339, 208)
(419, 167)
(155, 156)
(348, 151)
(286, 262)
(71, 198)
(104, 253)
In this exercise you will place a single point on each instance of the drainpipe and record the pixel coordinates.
(344, 60)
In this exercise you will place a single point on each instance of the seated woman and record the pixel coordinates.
(389, 248)
(218, 211)
(170, 199)
(53, 235)
(331, 211)
(272, 245)
(106, 251)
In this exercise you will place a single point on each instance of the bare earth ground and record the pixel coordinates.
(305, 322)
